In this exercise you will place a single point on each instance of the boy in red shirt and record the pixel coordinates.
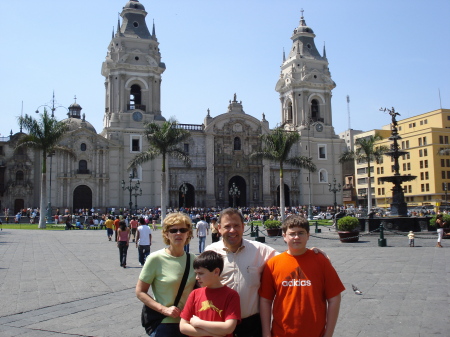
(214, 309)
(304, 288)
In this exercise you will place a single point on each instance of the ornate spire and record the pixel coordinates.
(324, 51)
(154, 31)
(284, 56)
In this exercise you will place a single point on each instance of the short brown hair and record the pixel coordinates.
(230, 211)
(295, 221)
(176, 219)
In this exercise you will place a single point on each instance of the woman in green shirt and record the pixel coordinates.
(163, 271)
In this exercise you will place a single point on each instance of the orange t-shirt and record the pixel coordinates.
(116, 224)
(299, 286)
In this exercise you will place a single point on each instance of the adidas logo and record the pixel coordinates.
(296, 279)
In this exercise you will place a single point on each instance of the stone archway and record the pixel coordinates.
(82, 198)
(189, 200)
(240, 183)
(287, 196)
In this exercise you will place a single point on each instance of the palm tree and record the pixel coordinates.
(163, 140)
(366, 151)
(277, 146)
(43, 135)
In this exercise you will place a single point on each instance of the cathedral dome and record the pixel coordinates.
(134, 4)
(77, 123)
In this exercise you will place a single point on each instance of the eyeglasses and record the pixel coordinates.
(299, 234)
(176, 230)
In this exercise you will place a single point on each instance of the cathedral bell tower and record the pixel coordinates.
(305, 82)
(132, 71)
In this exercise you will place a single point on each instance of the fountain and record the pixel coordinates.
(398, 206)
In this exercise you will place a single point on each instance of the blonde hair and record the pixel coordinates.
(176, 219)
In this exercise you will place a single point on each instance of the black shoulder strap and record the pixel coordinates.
(183, 280)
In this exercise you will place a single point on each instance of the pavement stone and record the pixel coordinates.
(58, 283)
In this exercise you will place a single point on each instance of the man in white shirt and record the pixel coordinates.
(202, 231)
(244, 262)
(143, 240)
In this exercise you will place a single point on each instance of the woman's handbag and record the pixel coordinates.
(150, 319)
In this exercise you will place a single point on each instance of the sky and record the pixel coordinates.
(384, 53)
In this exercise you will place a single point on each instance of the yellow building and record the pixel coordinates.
(424, 137)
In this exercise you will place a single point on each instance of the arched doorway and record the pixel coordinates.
(82, 198)
(241, 199)
(287, 196)
(186, 195)
(19, 205)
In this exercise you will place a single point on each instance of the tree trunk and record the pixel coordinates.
(163, 189)
(42, 223)
(369, 188)
(282, 201)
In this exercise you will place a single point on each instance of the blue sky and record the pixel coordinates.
(381, 53)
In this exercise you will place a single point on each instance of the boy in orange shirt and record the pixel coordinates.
(304, 288)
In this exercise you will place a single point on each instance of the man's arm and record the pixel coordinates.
(220, 328)
(334, 304)
(265, 311)
(138, 234)
(187, 329)
(150, 238)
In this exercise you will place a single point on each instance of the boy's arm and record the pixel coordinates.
(187, 329)
(334, 304)
(219, 328)
(265, 311)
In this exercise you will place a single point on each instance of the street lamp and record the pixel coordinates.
(52, 107)
(136, 194)
(184, 190)
(334, 190)
(234, 193)
(363, 195)
(131, 188)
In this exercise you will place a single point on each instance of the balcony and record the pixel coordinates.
(81, 171)
(136, 107)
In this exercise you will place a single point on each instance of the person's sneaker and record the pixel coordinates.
(141, 264)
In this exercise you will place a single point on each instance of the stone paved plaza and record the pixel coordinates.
(58, 283)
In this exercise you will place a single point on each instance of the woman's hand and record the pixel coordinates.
(171, 311)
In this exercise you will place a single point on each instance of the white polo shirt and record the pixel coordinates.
(242, 271)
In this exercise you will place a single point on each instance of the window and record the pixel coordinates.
(410, 188)
(448, 162)
(425, 152)
(135, 96)
(361, 171)
(186, 148)
(421, 176)
(421, 164)
(407, 144)
(322, 151)
(425, 121)
(361, 181)
(448, 174)
(442, 162)
(443, 174)
(135, 143)
(422, 187)
(424, 140)
(83, 147)
(315, 112)
(420, 153)
(425, 163)
(408, 165)
(237, 144)
(420, 141)
(82, 167)
(289, 112)
(427, 187)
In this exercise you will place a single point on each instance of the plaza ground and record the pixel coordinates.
(59, 283)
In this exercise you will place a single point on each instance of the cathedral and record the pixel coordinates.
(219, 146)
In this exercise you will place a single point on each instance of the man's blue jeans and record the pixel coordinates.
(201, 243)
(143, 252)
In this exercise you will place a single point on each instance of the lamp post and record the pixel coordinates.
(234, 193)
(131, 188)
(184, 190)
(363, 195)
(445, 190)
(334, 190)
(52, 107)
(136, 194)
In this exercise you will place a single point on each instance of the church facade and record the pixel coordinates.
(219, 147)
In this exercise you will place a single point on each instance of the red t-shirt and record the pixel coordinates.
(213, 305)
(299, 286)
(116, 224)
(133, 223)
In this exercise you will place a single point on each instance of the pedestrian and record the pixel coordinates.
(440, 223)
(154, 224)
(133, 227)
(116, 227)
(163, 271)
(244, 261)
(202, 231)
(109, 224)
(300, 293)
(411, 238)
(123, 237)
(213, 302)
(143, 241)
(214, 226)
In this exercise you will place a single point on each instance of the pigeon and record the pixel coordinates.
(356, 290)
